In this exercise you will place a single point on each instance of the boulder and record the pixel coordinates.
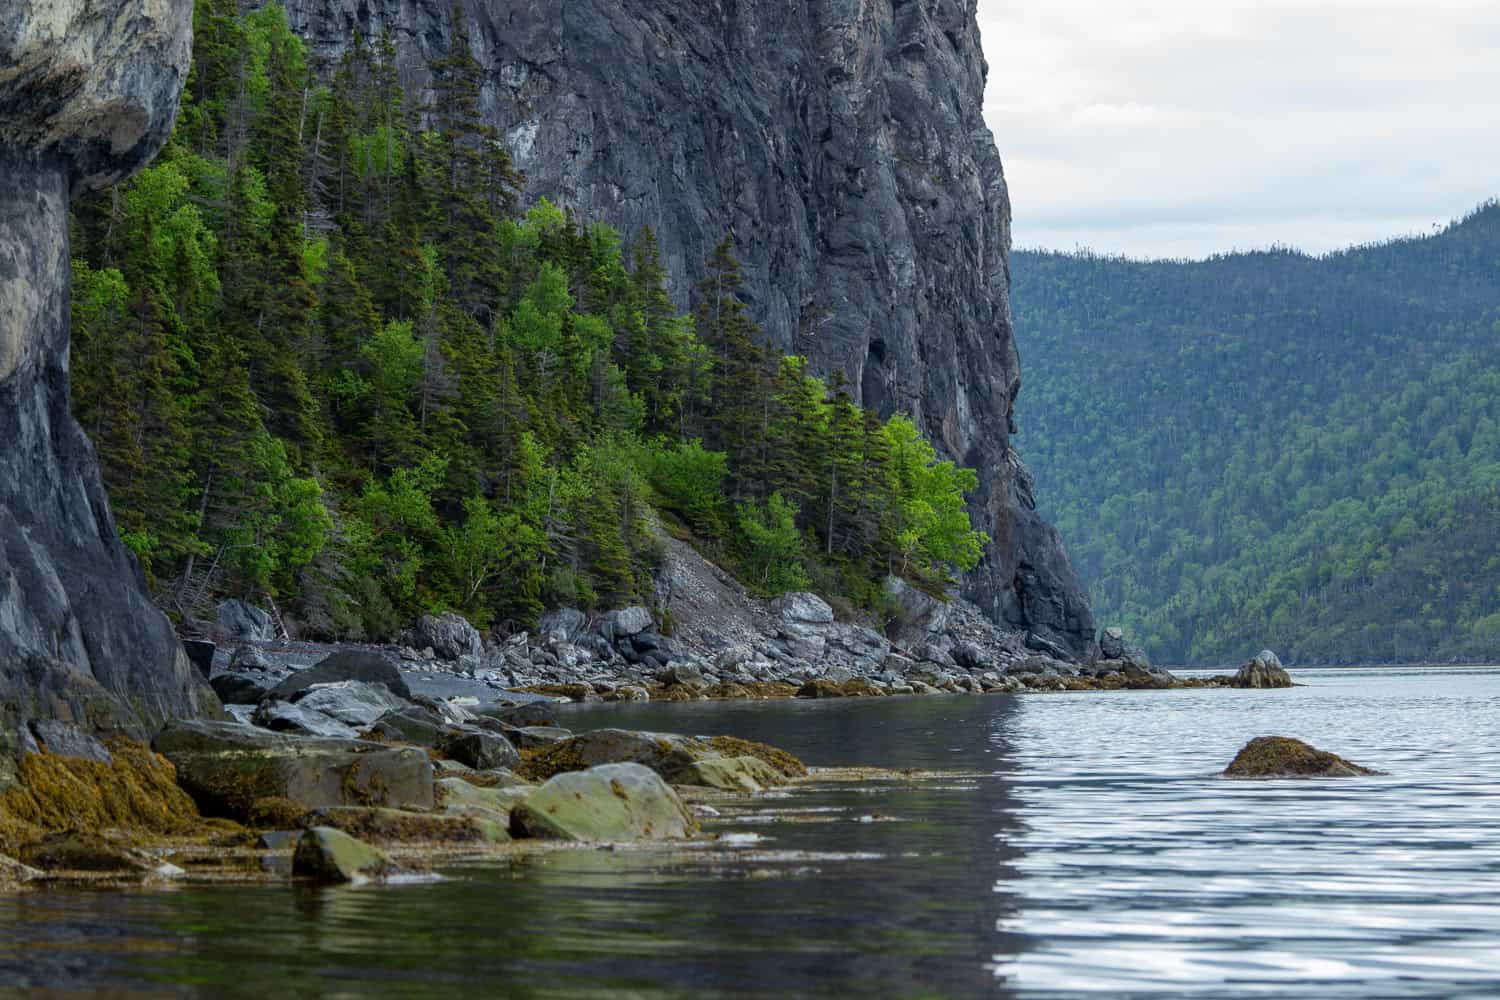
(378, 825)
(248, 657)
(354, 703)
(13, 873)
(416, 724)
(623, 624)
(242, 620)
(348, 665)
(542, 712)
(450, 636)
(917, 613)
(1284, 757)
(1112, 643)
(227, 767)
(331, 856)
(569, 621)
(528, 737)
(462, 797)
(732, 774)
(613, 802)
(285, 717)
(78, 851)
(665, 753)
(480, 750)
(242, 689)
(1264, 671)
(803, 608)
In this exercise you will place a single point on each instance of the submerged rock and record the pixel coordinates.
(1264, 671)
(78, 851)
(331, 856)
(1284, 757)
(613, 802)
(227, 767)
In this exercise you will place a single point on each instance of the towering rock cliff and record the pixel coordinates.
(841, 143)
(88, 92)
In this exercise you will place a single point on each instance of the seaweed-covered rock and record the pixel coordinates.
(732, 774)
(227, 767)
(665, 753)
(346, 665)
(613, 802)
(78, 851)
(1264, 671)
(378, 825)
(1284, 757)
(331, 856)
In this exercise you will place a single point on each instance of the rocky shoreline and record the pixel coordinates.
(706, 638)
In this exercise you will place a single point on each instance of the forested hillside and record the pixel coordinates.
(1273, 449)
(328, 361)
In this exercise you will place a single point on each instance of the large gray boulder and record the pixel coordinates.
(243, 620)
(348, 665)
(615, 802)
(354, 703)
(88, 93)
(227, 768)
(802, 607)
(1263, 671)
(450, 636)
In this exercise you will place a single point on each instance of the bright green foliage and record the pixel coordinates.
(771, 544)
(1274, 450)
(930, 524)
(323, 362)
(690, 480)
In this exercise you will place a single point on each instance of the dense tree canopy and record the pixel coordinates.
(324, 362)
(1273, 449)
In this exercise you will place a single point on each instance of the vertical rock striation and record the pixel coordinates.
(88, 93)
(842, 144)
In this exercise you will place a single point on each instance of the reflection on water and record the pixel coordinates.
(1069, 844)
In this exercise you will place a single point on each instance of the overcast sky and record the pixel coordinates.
(1179, 129)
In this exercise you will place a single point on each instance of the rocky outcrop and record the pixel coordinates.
(1284, 757)
(1263, 671)
(842, 145)
(88, 91)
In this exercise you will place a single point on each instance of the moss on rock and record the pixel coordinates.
(136, 793)
(1284, 757)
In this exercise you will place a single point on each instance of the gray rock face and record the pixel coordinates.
(842, 145)
(245, 621)
(88, 91)
(450, 636)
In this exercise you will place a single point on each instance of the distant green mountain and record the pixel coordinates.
(1272, 449)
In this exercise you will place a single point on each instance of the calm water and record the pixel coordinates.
(1073, 844)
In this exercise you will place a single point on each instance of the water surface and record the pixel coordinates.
(1057, 845)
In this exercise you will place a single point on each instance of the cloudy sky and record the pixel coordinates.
(1182, 128)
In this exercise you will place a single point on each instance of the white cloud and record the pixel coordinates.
(1171, 128)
